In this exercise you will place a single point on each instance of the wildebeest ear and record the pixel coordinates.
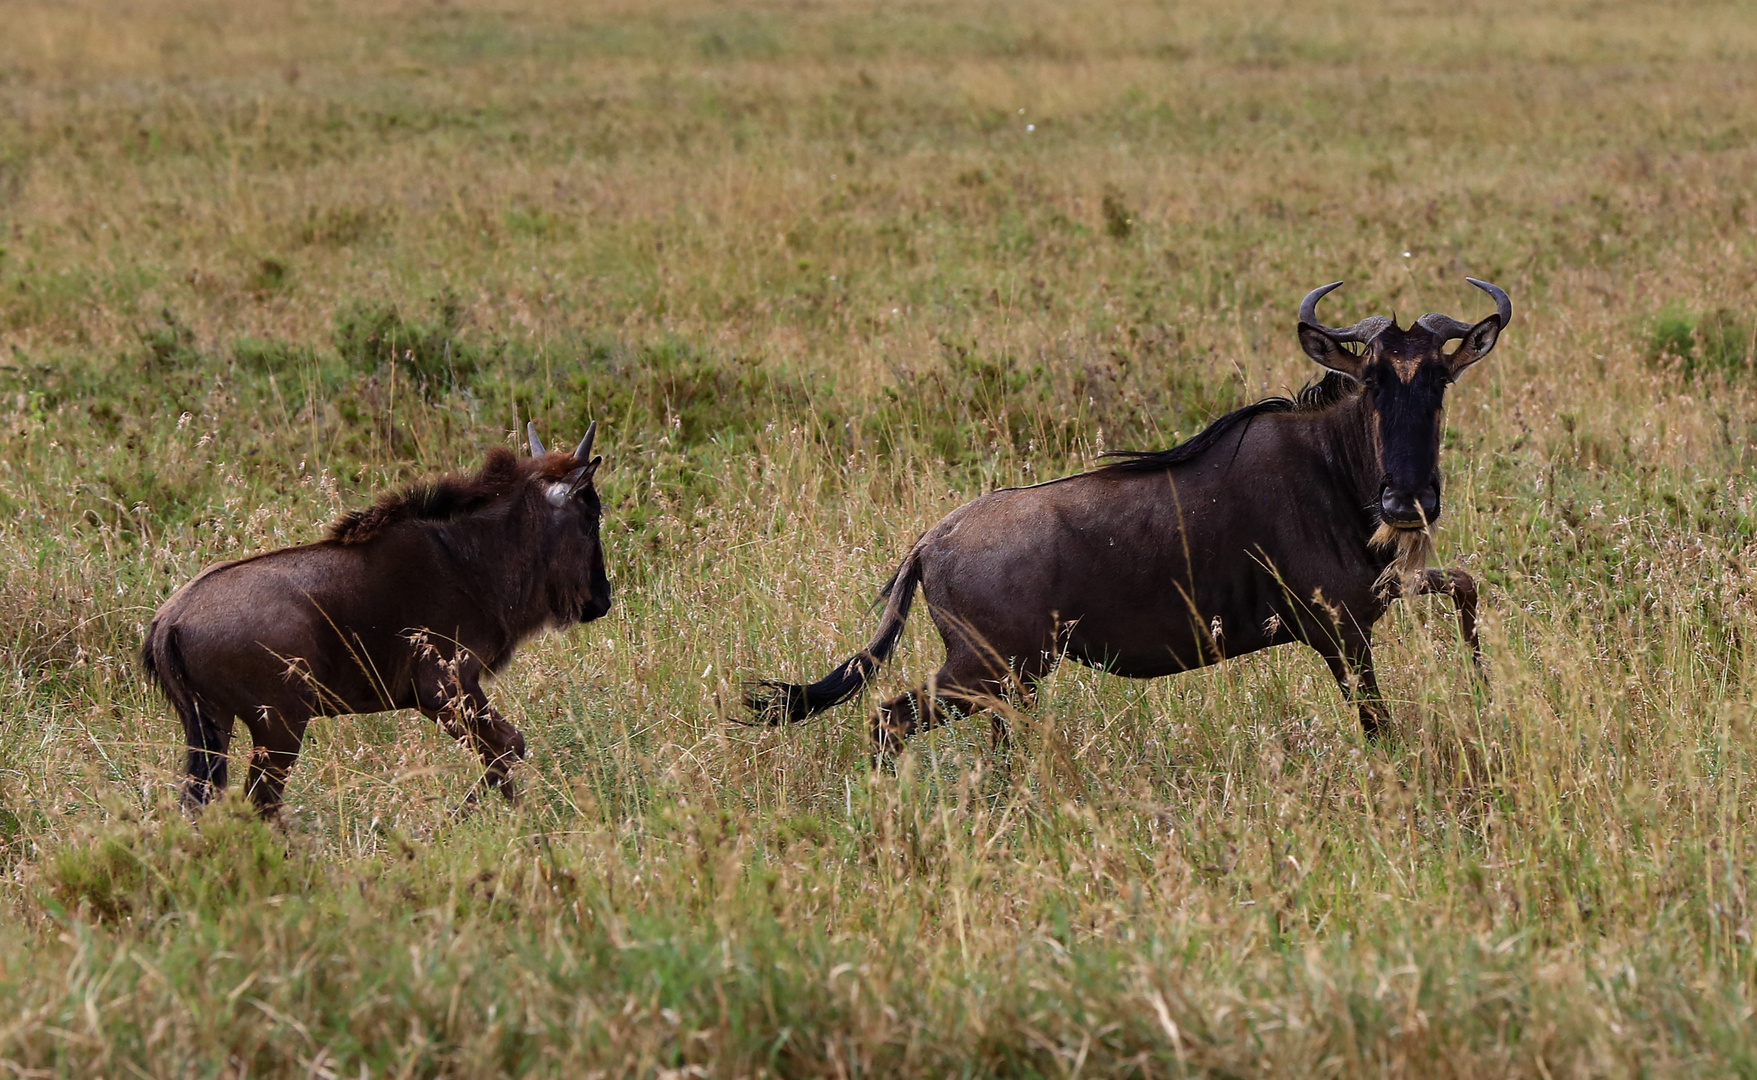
(1478, 343)
(1328, 351)
(582, 476)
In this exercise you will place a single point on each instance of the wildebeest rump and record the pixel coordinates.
(406, 604)
(1287, 520)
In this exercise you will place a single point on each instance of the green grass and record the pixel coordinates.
(822, 273)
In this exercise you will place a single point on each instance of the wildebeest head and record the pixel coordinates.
(1405, 372)
(577, 511)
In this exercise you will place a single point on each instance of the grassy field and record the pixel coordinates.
(822, 271)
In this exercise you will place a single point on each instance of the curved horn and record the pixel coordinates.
(1503, 305)
(584, 449)
(1448, 328)
(1445, 327)
(1364, 331)
(536, 443)
(1308, 308)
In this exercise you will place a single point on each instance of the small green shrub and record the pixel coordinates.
(1724, 340)
(536, 223)
(11, 837)
(105, 877)
(341, 226)
(232, 859)
(680, 389)
(1672, 333)
(370, 335)
(270, 275)
(170, 346)
(1119, 223)
(1721, 340)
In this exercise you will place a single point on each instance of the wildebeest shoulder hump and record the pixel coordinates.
(1313, 397)
(436, 500)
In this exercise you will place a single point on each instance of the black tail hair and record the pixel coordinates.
(162, 656)
(776, 703)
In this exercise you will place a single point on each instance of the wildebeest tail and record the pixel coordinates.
(162, 656)
(783, 703)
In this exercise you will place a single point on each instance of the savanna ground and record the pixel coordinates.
(823, 271)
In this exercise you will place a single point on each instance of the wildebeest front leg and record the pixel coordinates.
(456, 701)
(1353, 668)
(1461, 587)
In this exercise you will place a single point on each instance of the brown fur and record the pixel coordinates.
(1278, 523)
(1262, 537)
(410, 603)
(446, 497)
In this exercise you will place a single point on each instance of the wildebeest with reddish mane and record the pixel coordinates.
(1291, 519)
(406, 604)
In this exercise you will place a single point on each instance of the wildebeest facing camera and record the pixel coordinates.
(1286, 520)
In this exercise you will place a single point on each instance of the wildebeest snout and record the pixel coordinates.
(1405, 511)
(599, 605)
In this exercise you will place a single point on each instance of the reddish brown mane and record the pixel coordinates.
(443, 498)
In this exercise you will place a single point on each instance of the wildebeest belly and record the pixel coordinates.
(1161, 633)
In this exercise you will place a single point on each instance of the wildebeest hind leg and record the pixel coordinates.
(278, 736)
(210, 745)
(1023, 695)
(968, 682)
(913, 712)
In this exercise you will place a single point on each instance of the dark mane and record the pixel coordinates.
(440, 499)
(1313, 397)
